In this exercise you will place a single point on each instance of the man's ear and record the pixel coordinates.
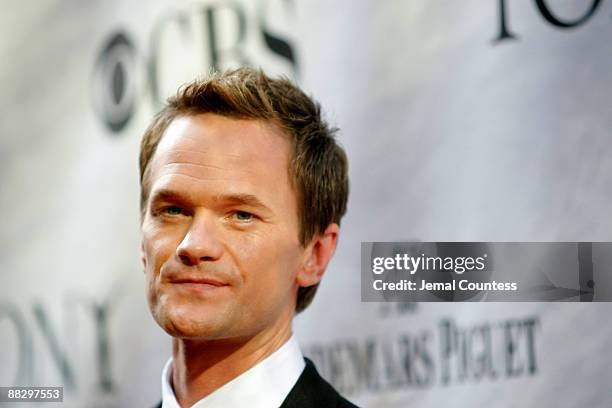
(318, 254)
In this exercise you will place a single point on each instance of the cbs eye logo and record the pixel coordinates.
(114, 85)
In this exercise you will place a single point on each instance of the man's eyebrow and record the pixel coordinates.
(167, 194)
(241, 199)
(231, 199)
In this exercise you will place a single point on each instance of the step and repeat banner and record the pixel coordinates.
(470, 121)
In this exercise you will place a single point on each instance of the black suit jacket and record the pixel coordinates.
(311, 391)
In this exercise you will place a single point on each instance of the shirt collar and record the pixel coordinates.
(264, 385)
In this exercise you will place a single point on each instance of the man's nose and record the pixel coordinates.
(201, 243)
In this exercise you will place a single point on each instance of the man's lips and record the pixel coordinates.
(197, 281)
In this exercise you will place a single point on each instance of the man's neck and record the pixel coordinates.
(201, 367)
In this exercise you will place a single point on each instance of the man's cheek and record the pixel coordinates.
(158, 251)
(152, 295)
(151, 267)
(164, 244)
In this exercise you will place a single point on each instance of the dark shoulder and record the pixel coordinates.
(313, 391)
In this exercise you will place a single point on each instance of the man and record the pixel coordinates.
(242, 191)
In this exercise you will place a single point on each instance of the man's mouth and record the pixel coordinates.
(198, 281)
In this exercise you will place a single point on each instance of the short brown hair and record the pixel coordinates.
(318, 166)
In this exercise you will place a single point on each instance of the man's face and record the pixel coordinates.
(220, 239)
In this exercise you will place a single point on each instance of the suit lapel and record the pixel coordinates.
(310, 391)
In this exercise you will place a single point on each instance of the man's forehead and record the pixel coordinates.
(202, 131)
(218, 142)
(215, 148)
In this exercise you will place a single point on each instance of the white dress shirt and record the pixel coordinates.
(265, 385)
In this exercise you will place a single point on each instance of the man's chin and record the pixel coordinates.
(190, 323)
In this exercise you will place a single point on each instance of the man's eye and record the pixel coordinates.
(243, 216)
(172, 210)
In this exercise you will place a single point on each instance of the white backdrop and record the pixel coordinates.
(454, 131)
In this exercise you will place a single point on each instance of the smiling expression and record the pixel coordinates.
(220, 244)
